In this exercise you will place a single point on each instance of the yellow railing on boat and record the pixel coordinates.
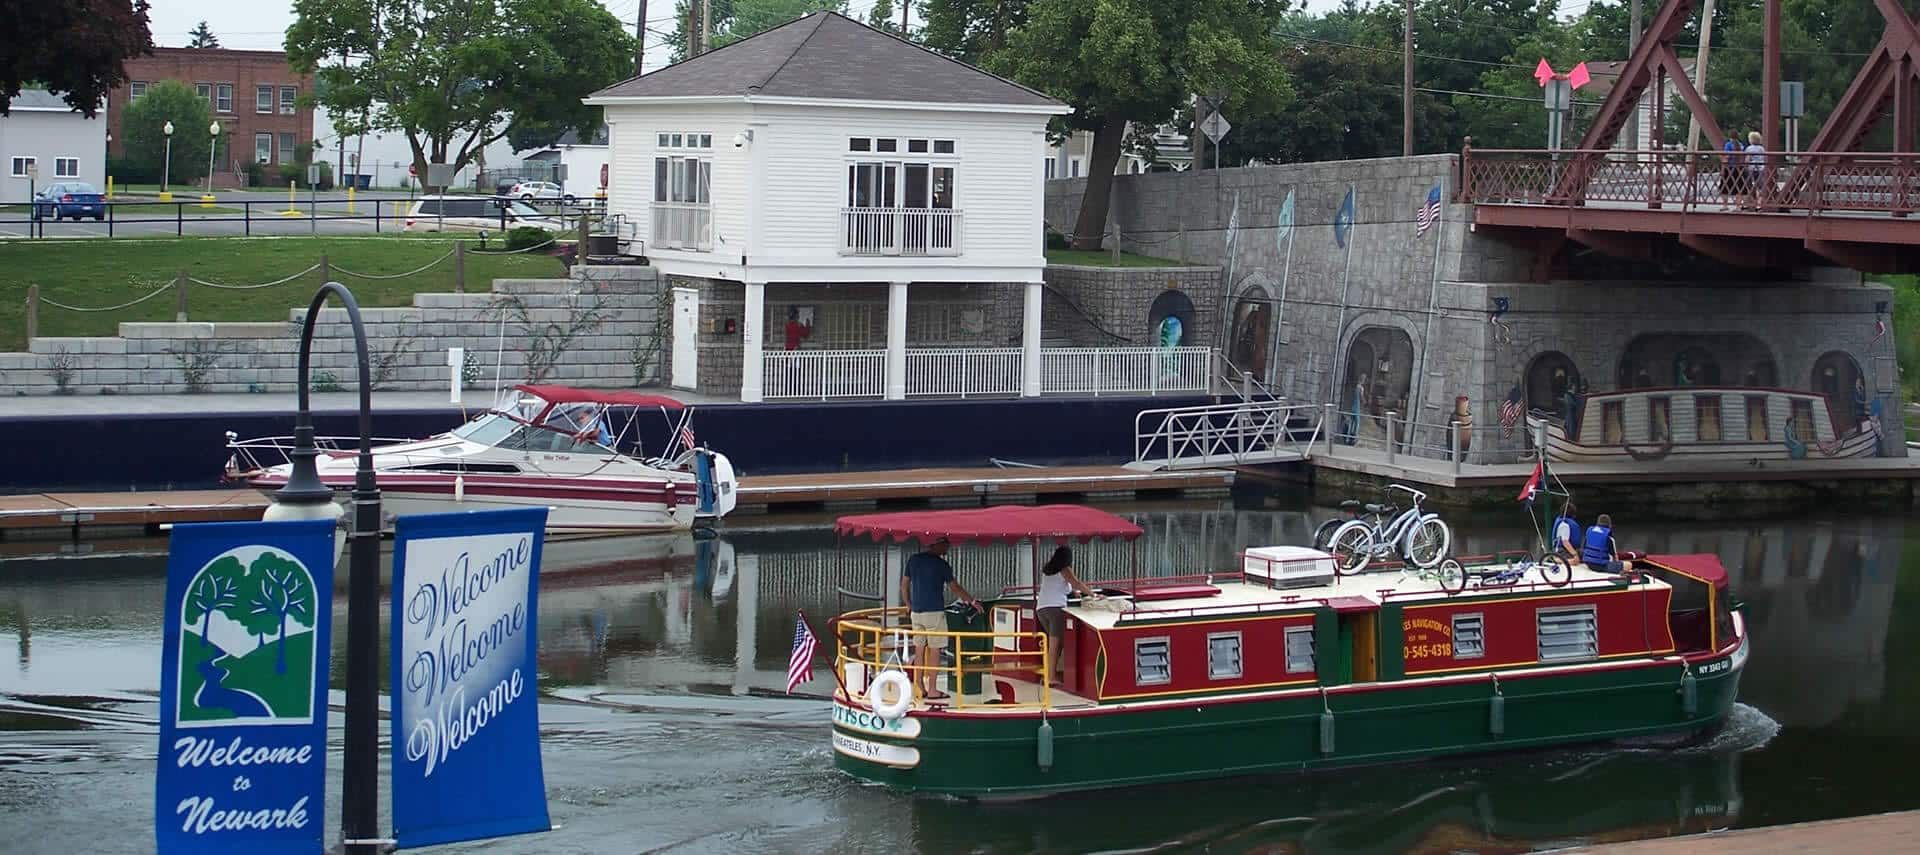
(883, 639)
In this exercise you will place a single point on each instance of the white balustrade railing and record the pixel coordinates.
(683, 225)
(986, 372)
(1100, 371)
(823, 374)
(900, 231)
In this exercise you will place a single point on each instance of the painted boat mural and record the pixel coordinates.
(1706, 422)
(1277, 665)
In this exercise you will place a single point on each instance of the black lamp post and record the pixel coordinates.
(306, 497)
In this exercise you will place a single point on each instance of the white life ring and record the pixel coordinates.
(902, 695)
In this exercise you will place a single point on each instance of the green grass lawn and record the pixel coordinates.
(1102, 258)
(109, 272)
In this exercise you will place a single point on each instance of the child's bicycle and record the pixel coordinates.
(1449, 574)
(1553, 569)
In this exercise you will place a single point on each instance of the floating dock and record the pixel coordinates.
(1878, 833)
(98, 514)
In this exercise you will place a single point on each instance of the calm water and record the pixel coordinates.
(663, 661)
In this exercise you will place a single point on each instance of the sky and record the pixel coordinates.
(262, 24)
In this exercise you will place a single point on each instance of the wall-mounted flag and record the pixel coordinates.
(1285, 226)
(1343, 219)
(1429, 212)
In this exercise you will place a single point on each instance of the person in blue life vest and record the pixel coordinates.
(926, 579)
(1567, 534)
(1598, 550)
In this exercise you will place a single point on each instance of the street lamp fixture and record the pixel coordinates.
(166, 165)
(305, 496)
(213, 143)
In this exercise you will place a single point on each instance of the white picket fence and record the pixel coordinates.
(821, 375)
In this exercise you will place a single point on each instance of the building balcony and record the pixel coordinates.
(682, 225)
(909, 232)
(826, 375)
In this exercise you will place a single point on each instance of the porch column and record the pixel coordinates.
(896, 341)
(753, 363)
(1030, 343)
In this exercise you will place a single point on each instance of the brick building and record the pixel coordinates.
(254, 95)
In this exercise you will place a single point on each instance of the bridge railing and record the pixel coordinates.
(1772, 181)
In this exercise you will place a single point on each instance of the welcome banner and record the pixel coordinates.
(466, 724)
(243, 688)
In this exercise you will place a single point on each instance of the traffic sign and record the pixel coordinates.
(1215, 126)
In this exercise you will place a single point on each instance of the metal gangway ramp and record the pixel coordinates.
(1230, 434)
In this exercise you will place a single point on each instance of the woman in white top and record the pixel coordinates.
(1056, 578)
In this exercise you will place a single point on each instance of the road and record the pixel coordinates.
(234, 213)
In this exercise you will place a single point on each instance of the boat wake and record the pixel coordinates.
(1747, 729)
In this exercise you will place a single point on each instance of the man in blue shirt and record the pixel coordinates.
(1565, 537)
(1598, 550)
(924, 585)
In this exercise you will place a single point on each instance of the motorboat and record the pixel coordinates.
(575, 451)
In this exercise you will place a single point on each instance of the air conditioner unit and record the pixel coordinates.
(1287, 566)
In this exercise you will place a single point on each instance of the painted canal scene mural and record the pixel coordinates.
(933, 426)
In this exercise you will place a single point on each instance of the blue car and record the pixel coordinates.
(65, 199)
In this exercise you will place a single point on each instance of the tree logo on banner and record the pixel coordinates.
(246, 641)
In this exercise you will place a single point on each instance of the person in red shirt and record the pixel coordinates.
(795, 329)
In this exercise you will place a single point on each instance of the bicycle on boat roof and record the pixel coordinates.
(1418, 537)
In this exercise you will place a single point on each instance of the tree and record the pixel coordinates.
(144, 139)
(74, 48)
(203, 37)
(880, 17)
(969, 30)
(216, 590)
(280, 590)
(1120, 61)
(734, 20)
(456, 75)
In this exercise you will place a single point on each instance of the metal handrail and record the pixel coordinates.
(1252, 428)
(872, 624)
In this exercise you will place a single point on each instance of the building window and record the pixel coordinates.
(1300, 652)
(943, 146)
(136, 89)
(1223, 656)
(1801, 420)
(1074, 170)
(860, 144)
(682, 200)
(223, 98)
(887, 145)
(1469, 641)
(66, 167)
(204, 90)
(1151, 664)
(1757, 418)
(1049, 166)
(692, 141)
(288, 145)
(21, 166)
(1612, 432)
(917, 146)
(289, 96)
(1706, 418)
(263, 148)
(1567, 634)
(263, 99)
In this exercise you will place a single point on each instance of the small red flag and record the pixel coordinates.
(1543, 72)
(1533, 485)
(1579, 76)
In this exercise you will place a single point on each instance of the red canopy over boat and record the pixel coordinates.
(1704, 566)
(570, 395)
(1002, 524)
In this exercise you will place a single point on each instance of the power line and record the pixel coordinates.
(1395, 53)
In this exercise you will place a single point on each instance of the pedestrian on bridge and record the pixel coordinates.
(1756, 170)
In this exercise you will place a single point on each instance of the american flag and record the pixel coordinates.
(1879, 328)
(1510, 411)
(1430, 212)
(800, 664)
(686, 435)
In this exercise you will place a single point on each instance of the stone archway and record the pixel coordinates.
(1378, 378)
(1250, 337)
(1837, 377)
(1170, 320)
(1671, 360)
(1550, 376)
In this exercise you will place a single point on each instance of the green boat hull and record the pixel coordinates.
(998, 755)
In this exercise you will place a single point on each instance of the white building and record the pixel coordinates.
(580, 168)
(44, 140)
(386, 155)
(1070, 157)
(835, 164)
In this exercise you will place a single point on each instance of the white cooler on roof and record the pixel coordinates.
(1287, 566)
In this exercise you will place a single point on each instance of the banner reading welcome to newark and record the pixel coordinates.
(243, 689)
(466, 725)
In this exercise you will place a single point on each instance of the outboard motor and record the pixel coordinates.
(713, 472)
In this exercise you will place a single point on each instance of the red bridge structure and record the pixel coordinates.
(1828, 205)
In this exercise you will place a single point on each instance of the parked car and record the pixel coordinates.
(63, 199)
(531, 190)
(431, 213)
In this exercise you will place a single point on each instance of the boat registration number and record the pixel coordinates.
(1713, 668)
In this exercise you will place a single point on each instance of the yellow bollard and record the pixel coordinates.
(349, 198)
(291, 211)
(109, 188)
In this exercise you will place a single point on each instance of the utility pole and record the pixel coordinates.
(1700, 72)
(1633, 44)
(1406, 86)
(693, 29)
(706, 25)
(640, 40)
(906, 7)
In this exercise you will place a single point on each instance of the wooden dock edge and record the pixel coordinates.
(1874, 833)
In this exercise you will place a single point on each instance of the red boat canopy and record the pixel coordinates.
(570, 395)
(1704, 566)
(1003, 523)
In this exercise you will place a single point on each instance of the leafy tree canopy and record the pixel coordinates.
(734, 20)
(455, 75)
(74, 48)
(203, 37)
(143, 132)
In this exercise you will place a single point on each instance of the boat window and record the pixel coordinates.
(1300, 650)
(1757, 418)
(1658, 427)
(464, 466)
(1706, 415)
(1568, 634)
(489, 429)
(1802, 420)
(1223, 655)
(1469, 642)
(1151, 666)
(1611, 431)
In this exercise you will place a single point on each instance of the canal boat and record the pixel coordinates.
(1275, 665)
(1705, 423)
(574, 451)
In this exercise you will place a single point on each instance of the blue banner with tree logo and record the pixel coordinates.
(466, 722)
(243, 688)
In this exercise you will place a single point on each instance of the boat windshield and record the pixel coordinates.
(521, 405)
(490, 429)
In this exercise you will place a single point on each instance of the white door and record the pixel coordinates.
(686, 338)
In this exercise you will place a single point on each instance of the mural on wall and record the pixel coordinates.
(1838, 379)
(1378, 377)
(1675, 360)
(1554, 385)
(1250, 342)
(1170, 324)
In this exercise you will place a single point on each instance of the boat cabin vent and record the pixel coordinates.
(1300, 650)
(1568, 634)
(1287, 566)
(1151, 665)
(1223, 656)
(1468, 640)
